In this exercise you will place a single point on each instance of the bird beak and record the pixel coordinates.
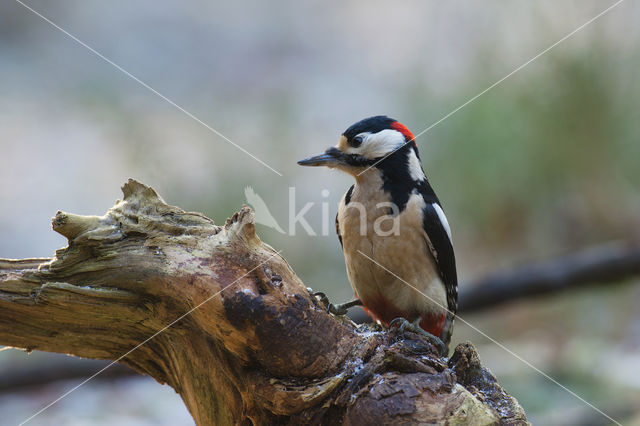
(327, 158)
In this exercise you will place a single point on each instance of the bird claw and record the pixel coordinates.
(337, 309)
(340, 309)
(404, 325)
(331, 308)
(343, 308)
(399, 322)
(322, 298)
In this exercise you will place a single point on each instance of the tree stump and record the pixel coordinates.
(222, 318)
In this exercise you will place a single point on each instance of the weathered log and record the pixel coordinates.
(595, 266)
(222, 318)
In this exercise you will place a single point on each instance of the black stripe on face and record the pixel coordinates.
(353, 160)
(397, 180)
(347, 196)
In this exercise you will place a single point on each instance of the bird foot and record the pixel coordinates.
(340, 309)
(404, 325)
(343, 308)
(322, 298)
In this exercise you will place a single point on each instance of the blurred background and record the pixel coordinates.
(544, 164)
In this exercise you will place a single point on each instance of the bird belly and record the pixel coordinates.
(406, 282)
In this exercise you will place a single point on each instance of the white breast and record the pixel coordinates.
(404, 253)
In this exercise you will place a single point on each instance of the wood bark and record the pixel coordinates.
(595, 266)
(222, 318)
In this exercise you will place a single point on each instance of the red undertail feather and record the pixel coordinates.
(381, 309)
(433, 323)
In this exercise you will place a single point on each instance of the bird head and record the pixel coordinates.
(365, 144)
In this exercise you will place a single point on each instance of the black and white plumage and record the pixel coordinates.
(393, 216)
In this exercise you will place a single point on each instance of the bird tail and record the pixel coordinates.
(447, 330)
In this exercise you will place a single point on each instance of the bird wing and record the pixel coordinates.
(440, 245)
(346, 198)
(338, 232)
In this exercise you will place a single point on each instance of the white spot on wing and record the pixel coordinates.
(415, 169)
(443, 220)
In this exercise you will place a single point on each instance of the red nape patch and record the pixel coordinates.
(408, 136)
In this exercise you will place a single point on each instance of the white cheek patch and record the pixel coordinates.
(415, 169)
(443, 220)
(379, 144)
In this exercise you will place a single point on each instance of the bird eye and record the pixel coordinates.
(356, 141)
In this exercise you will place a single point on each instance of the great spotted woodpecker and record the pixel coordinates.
(395, 237)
